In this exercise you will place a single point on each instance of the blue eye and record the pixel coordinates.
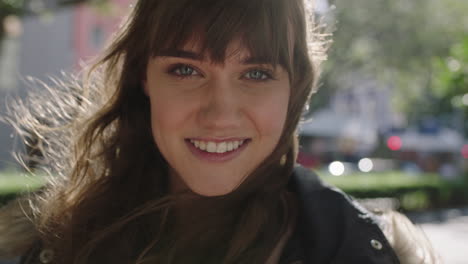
(183, 70)
(258, 75)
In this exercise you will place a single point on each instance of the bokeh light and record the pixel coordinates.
(464, 151)
(12, 26)
(336, 168)
(465, 99)
(365, 165)
(394, 143)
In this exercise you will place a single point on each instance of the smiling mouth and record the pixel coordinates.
(217, 147)
(217, 150)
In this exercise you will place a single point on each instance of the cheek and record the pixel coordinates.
(162, 118)
(167, 119)
(272, 114)
(168, 110)
(162, 114)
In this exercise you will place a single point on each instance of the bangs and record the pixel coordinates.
(261, 27)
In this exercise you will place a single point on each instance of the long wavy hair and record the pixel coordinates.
(107, 199)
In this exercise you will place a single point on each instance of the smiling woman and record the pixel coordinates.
(214, 123)
(181, 148)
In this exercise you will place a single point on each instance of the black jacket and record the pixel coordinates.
(332, 227)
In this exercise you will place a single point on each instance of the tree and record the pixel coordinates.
(451, 85)
(394, 42)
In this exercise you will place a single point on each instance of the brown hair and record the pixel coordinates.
(111, 204)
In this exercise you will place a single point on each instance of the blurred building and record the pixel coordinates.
(359, 122)
(45, 46)
(352, 124)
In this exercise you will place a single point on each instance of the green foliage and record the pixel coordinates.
(415, 200)
(11, 6)
(13, 183)
(451, 83)
(392, 42)
(380, 33)
(383, 181)
(414, 192)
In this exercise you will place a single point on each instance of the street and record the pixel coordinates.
(448, 232)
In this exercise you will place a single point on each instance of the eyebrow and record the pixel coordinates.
(185, 54)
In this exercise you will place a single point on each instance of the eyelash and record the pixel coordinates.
(177, 67)
(267, 74)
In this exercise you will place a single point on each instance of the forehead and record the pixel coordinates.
(235, 52)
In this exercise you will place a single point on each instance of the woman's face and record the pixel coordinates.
(214, 123)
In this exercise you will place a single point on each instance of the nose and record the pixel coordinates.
(221, 105)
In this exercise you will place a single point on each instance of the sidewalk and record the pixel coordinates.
(448, 231)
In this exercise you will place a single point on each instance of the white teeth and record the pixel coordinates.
(213, 147)
(202, 145)
(221, 148)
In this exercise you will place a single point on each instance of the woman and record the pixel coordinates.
(181, 148)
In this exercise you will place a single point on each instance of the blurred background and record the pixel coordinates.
(388, 124)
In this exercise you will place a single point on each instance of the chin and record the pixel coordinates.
(211, 189)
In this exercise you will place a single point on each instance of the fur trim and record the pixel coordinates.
(17, 230)
(409, 242)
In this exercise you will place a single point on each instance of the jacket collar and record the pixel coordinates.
(331, 227)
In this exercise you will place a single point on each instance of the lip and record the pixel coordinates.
(216, 157)
(217, 140)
